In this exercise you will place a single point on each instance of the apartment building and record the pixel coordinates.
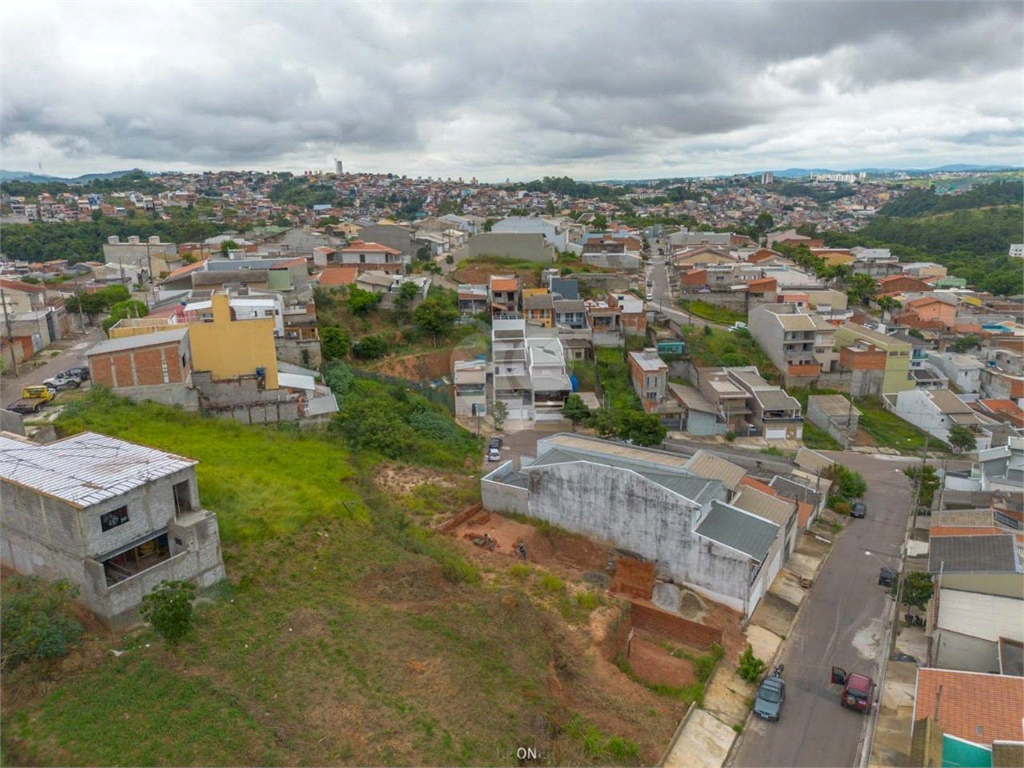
(800, 344)
(866, 344)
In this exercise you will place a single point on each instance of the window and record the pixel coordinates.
(114, 518)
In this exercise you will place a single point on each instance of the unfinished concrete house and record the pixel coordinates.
(112, 517)
(647, 502)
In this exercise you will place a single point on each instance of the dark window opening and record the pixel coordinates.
(114, 518)
(136, 560)
(182, 497)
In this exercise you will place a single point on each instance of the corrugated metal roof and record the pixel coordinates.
(738, 530)
(714, 467)
(142, 340)
(764, 505)
(985, 554)
(86, 468)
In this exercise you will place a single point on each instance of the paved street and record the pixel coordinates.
(72, 355)
(841, 623)
(657, 272)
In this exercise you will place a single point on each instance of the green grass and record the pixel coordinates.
(712, 312)
(613, 375)
(585, 372)
(712, 347)
(889, 430)
(345, 635)
(819, 439)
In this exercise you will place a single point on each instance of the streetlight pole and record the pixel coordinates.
(10, 333)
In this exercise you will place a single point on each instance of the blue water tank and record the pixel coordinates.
(575, 382)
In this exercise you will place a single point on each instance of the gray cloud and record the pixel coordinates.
(511, 89)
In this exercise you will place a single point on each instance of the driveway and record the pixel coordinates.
(842, 622)
(71, 354)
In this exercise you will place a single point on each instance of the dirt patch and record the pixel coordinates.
(402, 479)
(692, 606)
(633, 578)
(479, 275)
(404, 585)
(655, 665)
(308, 623)
(420, 367)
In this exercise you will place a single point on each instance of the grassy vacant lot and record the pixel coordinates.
(613, 374)
(712, 347)
(713, 313)
(819, 439)
(345, 635)
(889, 430)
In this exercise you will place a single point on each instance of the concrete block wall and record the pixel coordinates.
(168, 394)
(632, 512)
(290, 351)
(498, 497)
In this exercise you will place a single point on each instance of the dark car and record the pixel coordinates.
(858, 509)
(82, 372)
(494, 443)
(771, 694)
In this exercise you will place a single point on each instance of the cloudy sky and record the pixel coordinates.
(519, 90)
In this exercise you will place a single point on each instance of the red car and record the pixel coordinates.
(858, 690)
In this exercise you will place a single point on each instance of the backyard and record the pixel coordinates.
(713, 347)
(712, 312)
(346, 634)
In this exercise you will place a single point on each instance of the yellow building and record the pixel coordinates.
(136, 326)
(897, 354)
(230, 348)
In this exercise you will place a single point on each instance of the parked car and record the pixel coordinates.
(495, 442)
(64, 380)
(82, 372)
(771, 694)
(859, 509)
(493, 454)
(32, 399)
(858, 690)
(738, 327)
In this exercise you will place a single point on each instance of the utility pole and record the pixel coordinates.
(920, 480)
(10, 333)
(942, 488)
(149, 261)
(849, 419)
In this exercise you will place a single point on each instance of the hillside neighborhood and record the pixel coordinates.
(618, 453)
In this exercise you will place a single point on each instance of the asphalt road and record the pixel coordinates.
(71, 356)
(657, 272)
(842, 623)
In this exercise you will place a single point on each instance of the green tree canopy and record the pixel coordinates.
(123, 310)
(436, 315)
(360, 301)
(575, 410)
(962, 439)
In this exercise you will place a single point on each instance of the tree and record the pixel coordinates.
(35, 620)
(642, 428)
(887, 304)
(360, 302)
(423, 253)
(575, 410)
(929, 485)
(847, 484)
(407, 292)
(917, 589)
(965, 343)
(763, 223)
(123, 310)
(370, 348)
(89, 304)
(600, 222)
(750, 667)
(228, 245)
(861, 288)
(169, 609)
(488, 223)
(549, 209)
(437, 315)
(334, 343)
(962, 439)
(499, 412)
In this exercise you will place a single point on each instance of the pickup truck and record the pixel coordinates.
(64, 380)
(858, 690)
(32, 399)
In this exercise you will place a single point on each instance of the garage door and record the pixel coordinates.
(775, 434)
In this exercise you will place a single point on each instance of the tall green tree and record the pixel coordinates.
(360, 301)
(575, 410)
(861, 288)
(962, 439)
(437, 315)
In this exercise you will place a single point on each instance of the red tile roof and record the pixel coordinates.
(504, 284)
(18, 285)
(973, 706)
(291, 262)
(759, 486)
(358, 246)
(185, 270)
(334, 276)
(965, 530)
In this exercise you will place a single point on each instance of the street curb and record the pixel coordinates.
(778, 651)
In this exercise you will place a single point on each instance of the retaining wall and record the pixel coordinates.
(688, 632)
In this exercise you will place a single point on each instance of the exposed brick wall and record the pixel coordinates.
(121, 362)
(633, 578)
(100, 370)
(465, 515)
(139, 367)
(676, 627)
(148, 366)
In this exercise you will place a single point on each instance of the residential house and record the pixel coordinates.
(799, 344)
(335, 277)
(647, 502)
(505, 295)
(1000, 468)
(866, 344)
(889, 286)
(548, 375)
(21, 297)
(930, 312)
(119, 519)
(148, 366)
(967, 718)
(774, 414)
(729, 400)
(151, 259)
(372, 256)
(1002, 410)
(470, 384)
(700, 257)
(714, 467)
(396, 237)
(925, 270)
(699, 416)
(574, 329)
(650, 378)
(605, 319)
(963, 371)
(937, 412)
(510, 360)
(632, 313)
(564, 287)
(765, 502)
(473, 299)
(539, 308)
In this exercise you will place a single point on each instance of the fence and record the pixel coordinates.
(442, 394)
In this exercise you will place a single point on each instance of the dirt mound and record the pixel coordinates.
(401, 479)
(428, 365)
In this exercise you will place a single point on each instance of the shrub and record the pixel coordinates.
(751, 668)
(370, 348)
(551, 583)
(839, 506)
(917, 589)
(169, 609)
(334, 343)
(34, 620)
(730, 436)
(588, 601)
(520, 571)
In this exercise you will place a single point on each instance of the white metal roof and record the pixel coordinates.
(142, 340)
(86, 468)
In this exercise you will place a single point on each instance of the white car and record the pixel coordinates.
(64, 380)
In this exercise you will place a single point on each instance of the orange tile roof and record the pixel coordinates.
(18, 285)
(803, 512)
(185, 270)
(762, 282)
(973, 706)
(965, 530)
(504, 284)
(759, 486)
(358, 246)
(291, 262)
(338, 276)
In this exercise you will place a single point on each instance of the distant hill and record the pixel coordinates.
(37, 178)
